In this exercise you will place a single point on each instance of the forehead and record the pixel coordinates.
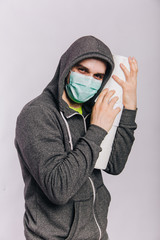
(94, 65)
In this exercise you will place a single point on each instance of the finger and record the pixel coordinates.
(136, 63)
(113, 101)
(108, 95)
(101, 95)
(117, 110)
(133, 66)
(118, 80)
(125, 70)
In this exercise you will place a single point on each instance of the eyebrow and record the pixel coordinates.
(87, 69)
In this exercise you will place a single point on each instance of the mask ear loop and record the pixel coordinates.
(66, 78)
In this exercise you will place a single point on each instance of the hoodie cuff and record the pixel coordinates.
(96, 134)
(128, 117)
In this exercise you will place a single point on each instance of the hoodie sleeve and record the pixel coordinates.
(40, 145)
(122, 143)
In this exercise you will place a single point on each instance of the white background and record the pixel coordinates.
(33, 36)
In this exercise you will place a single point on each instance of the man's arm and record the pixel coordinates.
(123, 142)
(41, 149)
(104, 114)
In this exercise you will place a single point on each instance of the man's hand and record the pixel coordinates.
(130, 86)
(103, 114)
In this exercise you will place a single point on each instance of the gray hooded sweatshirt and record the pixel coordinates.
(65, 197)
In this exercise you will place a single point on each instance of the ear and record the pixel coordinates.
(67, 78)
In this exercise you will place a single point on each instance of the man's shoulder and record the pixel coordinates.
(37, 107)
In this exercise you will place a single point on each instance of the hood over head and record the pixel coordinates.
(83, 48)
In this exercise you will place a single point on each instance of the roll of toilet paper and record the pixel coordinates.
(107, 143)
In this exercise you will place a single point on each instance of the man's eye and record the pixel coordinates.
(99, 77)
(81, 70)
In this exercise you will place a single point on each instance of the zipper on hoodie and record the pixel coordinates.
(92, 184)
(94, 192)
(94, 198)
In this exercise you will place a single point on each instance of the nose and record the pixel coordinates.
(90, 74)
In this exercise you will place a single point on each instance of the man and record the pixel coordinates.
(58, 138)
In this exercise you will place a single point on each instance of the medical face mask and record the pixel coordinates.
(81, 87)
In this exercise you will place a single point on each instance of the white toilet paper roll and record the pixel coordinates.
(107, 143)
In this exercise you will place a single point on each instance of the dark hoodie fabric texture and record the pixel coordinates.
(65, 197)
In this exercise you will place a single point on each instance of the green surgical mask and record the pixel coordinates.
(81, 87)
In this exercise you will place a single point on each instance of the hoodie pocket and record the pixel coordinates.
(102, 203)
(75, 222)
(84, 225)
